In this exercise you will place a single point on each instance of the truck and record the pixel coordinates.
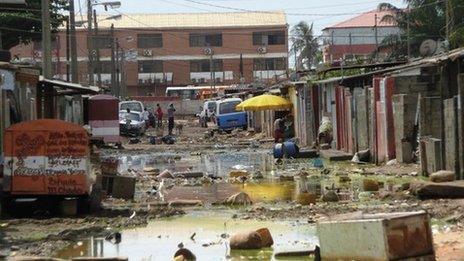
(48, 161)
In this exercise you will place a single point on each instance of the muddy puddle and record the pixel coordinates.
(275, 182)
(160, 239)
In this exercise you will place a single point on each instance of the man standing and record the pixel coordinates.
(159, 115)
(278, 130)
(145, 115)
(171, 111)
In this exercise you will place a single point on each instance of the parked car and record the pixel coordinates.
(227, 116)
(131, 124)
(133, 106)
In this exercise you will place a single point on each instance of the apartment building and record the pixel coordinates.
(357, 38)
(162, 50)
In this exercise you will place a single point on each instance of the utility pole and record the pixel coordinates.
(351, 49)
(113, 65)
(118, 83)
(68, 77)
(97, 50)
(211, 73)
(90, 42)
(73, 44)
(123, 93)
(408, 26)
(46, 41)
(376, 36)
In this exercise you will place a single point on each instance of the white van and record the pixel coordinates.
(134, 106)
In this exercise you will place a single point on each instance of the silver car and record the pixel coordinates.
(131, 123)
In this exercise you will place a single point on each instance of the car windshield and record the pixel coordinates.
(228, 107)
(211, 106)
(133, 106)
(130, 116)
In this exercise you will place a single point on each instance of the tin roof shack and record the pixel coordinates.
(383, 236)
(345, 101)
(301, 97)
(17, 96)
(62, 100)
(425, 97)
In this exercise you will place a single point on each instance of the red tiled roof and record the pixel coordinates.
(366, 20)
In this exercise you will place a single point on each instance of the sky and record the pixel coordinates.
(322, 13)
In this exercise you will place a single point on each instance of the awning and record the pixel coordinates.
(68, 88)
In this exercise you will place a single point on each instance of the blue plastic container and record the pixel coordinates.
(278, 151)
(291, 149)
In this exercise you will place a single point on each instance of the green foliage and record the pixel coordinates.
(24, 24)
(305, 45)
(426, 19)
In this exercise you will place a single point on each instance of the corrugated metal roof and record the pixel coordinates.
(366, 20)
(196, 20)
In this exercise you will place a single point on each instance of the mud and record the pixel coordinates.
(271, 187)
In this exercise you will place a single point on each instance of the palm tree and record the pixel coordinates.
(304, 45)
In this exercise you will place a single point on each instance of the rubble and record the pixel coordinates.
(442, 176)
(425, 190)
(240, 198)
(246, 240)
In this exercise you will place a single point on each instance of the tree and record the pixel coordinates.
(24, 24)
(304, 45)
(426, 20)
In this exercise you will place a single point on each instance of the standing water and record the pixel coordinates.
(159, 240)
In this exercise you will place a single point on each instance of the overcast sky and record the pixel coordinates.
(297, 10)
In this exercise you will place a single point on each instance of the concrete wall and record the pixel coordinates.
(451, 134)
(404, 113)
(361, 120)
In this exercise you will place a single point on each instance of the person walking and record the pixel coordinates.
(145, 115)
(171, 111)
(159, 115)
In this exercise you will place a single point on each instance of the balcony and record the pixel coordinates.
(151, 78)
(205, 77)
(269, 74)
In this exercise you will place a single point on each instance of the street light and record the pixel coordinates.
(113, 17)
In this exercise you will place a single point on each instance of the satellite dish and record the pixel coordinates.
(428, 47)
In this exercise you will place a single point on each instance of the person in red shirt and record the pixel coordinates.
(159, 115)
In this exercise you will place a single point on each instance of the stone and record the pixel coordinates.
(325, 146)
(392, 162)
(330, 196)
(370, 185)
(306, 198)
(442, 176)
(425, 190)
(266, 237)
(246, 240)
(240, 198)
(364, 155)
(165, 174)
(238, 173)
(150, 170)
(185, 254)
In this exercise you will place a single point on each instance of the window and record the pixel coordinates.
(228, 107)
(102, 41)
(105, 67)
(149, 40)
(204, 40)
(270, 64)
(204, 66)
(150, 66)
(269, 38)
